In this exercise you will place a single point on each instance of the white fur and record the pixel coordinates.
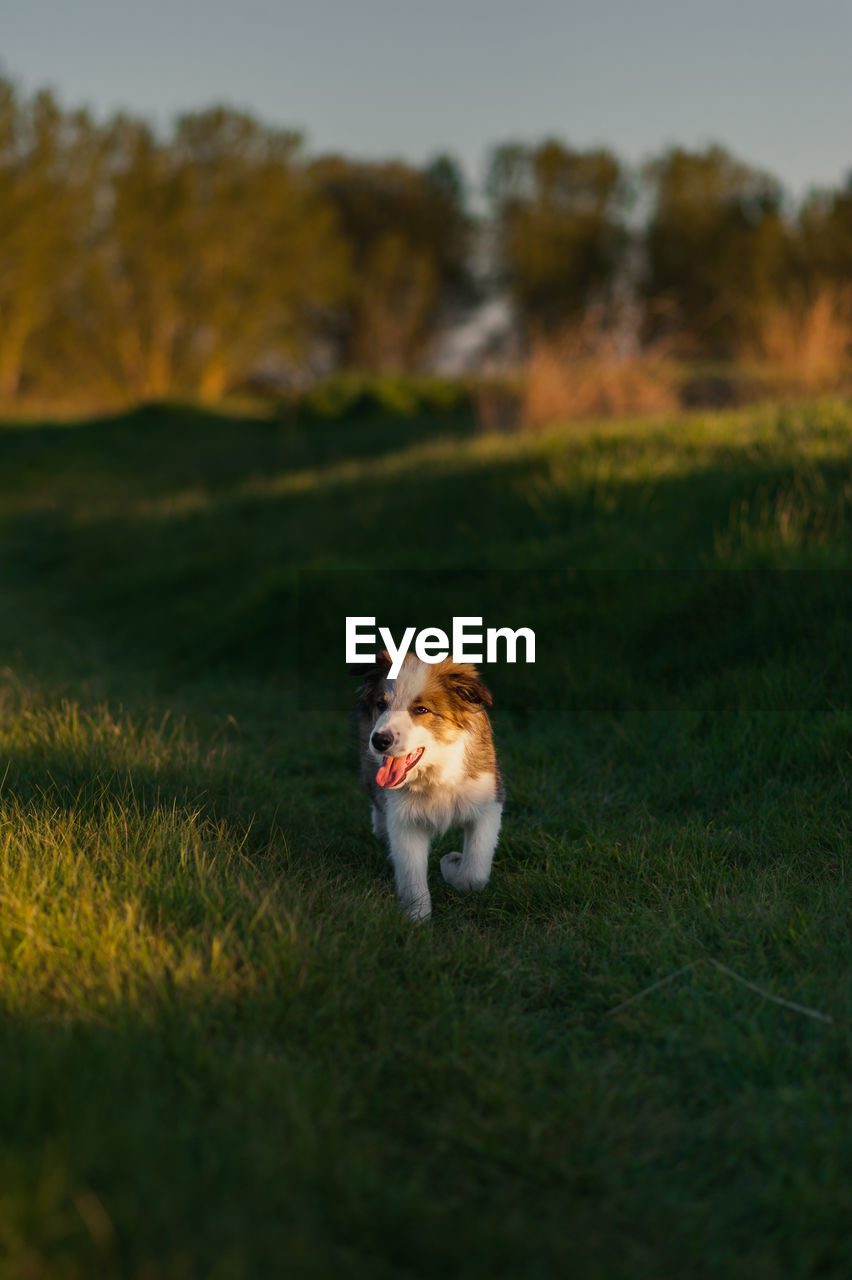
(415, 812)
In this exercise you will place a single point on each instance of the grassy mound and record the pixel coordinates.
(225, 1053)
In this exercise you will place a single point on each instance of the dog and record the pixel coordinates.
(428, 763)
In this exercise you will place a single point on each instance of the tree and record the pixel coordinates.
(47, 165)
(560, 232)
(268, 262)
(716, 249)
(823, 239)
(408, 237)
(214, 254)
(133, 308)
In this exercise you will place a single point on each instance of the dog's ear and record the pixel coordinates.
(373, 674)
(466, 685)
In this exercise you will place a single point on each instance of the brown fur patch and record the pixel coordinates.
(456, 691)
(479, 756)
(461, 697)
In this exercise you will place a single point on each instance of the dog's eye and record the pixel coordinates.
(382, 704)
(420, 711)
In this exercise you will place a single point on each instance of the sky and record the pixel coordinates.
(769, 79)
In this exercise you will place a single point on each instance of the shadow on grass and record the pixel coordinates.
(161, 448)
(232, 613)
(256, 593)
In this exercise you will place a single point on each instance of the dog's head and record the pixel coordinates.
(412, 720)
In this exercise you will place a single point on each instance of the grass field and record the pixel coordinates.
(224, 1052)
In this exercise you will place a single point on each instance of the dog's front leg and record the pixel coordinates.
(409, 853)
(471, 868)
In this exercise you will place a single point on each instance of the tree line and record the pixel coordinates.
(147, 265)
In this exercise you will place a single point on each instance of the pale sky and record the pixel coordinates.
(770, 79)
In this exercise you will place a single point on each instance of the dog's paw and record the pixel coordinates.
(419, 912)
(463, 881)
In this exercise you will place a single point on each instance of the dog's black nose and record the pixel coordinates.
(382, 740)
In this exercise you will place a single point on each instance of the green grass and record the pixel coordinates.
(224, 1052)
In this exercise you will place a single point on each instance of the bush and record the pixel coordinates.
(594, 370)
(806, 346)
(355, 395)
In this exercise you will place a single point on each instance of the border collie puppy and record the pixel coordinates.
(428, 763)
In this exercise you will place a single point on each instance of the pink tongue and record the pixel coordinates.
(392, 770)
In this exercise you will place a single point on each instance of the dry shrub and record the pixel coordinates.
(806, 346)
(595, 370)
